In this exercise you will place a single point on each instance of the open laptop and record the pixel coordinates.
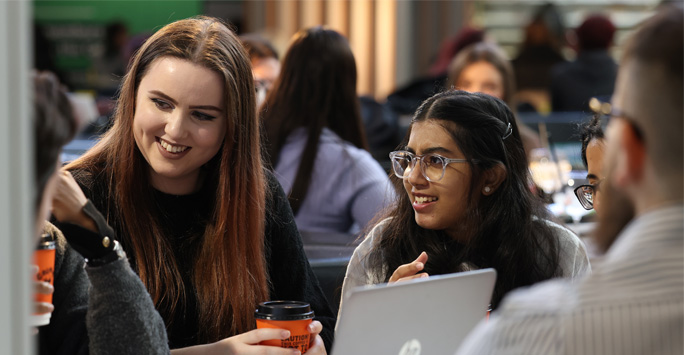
(425, 316)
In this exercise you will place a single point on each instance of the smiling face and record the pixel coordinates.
(179, 122)
(481, 77)
(438, 205)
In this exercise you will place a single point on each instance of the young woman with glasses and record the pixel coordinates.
(466, 206)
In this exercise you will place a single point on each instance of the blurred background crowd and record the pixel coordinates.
(545, 59)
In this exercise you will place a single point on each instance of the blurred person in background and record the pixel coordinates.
(541, 50)
(592, 73)
(315, 138)
(465, 204)
(633, 302)
(265, 63)
(110, 67)
(483, 67)
(405, 100)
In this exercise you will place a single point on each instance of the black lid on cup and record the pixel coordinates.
(284, 310)
(47, 241)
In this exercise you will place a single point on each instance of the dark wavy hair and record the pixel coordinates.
(505, 230)
(588, 132)
(316, 89)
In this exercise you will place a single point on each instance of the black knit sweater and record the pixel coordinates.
(185, 217)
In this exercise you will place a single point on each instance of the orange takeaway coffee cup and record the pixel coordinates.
(294, 316)
(44, 258)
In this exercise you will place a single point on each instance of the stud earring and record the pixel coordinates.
(487, 189)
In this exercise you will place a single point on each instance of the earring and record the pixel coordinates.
(487, 189)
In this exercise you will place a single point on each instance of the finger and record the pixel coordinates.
(274, 350)
(258, 335)
(422, 258)
(317, 347)
(315, 327)
(43, 288)
(42, 307)
(422, 275)
(407, 270)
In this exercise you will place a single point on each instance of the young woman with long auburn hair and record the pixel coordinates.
(466, 204)
(180, 178)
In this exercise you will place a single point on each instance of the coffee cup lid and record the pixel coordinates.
(284, 310)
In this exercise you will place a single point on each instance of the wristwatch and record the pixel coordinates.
(115, 254)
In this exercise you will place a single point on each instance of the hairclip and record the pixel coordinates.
(509, 131)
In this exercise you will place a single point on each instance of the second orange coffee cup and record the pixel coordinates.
(44, 258)
(294, 316)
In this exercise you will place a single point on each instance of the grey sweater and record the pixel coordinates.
(99, 310)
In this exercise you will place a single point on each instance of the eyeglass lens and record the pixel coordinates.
(431, 166)
(585, 194)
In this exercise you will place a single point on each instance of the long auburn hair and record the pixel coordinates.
(316, 89)
(505, 230)
(234, 242)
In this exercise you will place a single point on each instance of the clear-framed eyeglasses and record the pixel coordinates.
(432, 166)
(586, 193)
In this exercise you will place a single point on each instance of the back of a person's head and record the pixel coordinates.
(317, 86)
(54, 126)
(487, 52)
(650, 86)
(258, 47)
(546, 28)
(596, 32)
(318, 69)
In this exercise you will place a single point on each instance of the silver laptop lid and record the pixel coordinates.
(424, 316)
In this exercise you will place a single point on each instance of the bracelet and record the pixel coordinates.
(115, 254)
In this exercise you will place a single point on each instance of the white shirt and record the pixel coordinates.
(631, 304)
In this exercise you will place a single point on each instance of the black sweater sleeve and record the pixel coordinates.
(291, 275)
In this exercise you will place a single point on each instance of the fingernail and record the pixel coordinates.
(425, 276)
(311, 328)
(419, 266)
(50, 287)
(285, 334)
(297, 352)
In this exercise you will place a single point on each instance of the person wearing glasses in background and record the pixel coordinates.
(265, 63)
(593, 145)
(466, 204)
(633, 302)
